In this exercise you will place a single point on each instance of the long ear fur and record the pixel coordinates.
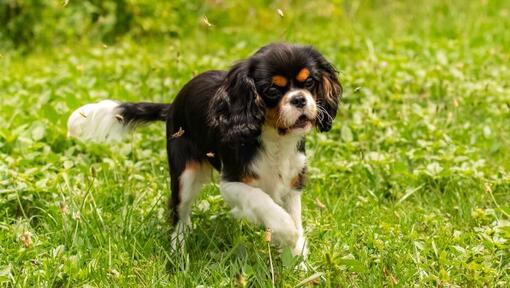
(237, 112)
(330, 93)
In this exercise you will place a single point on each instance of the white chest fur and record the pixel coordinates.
(278, 163)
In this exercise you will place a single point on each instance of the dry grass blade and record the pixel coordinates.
(319, 204)
(178, 133)
(205, 21)
(409, 193)
(268, 235)
(271, 264)
(241, 280)
(26, 238)
(63, 208)
(390, 276)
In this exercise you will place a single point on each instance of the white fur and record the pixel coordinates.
(293, 206)
(289, 113)
(278, 163)
(258, 207)
(190, 181)
(270, 199)
(97, 122)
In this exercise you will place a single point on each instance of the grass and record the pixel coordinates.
(410, 188)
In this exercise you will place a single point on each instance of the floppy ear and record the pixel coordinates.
(329, 94)
(237, 111)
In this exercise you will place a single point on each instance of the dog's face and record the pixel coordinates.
(288, 80)
(288, 87)
(290, 109)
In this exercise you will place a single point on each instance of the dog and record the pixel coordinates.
(249, 123)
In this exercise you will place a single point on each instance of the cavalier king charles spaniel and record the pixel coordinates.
(249, 123)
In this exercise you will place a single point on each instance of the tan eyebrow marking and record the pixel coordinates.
(279, 81)
(303, 75)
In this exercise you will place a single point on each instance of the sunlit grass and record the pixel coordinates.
(410, 188)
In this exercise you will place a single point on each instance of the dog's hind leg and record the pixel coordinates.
(187, 177)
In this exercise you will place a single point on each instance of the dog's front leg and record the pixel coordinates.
(293, 206)
(258, 207)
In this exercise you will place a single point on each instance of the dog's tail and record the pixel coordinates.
(110, 120)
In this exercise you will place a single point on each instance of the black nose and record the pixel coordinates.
(298, 100)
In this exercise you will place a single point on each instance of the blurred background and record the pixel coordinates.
(32, 24)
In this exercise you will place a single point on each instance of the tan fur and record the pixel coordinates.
(250, 178)
(295, 181)
(303, 75)
(329, 90)
(279, 81)
(272, 115)
(192, 165)
(298, 181)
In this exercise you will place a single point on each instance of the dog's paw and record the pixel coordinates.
(300, 247)
(283, 229)
(177, 241)
(178, 237)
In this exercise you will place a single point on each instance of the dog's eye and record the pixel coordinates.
(309, 83)
(273, 93)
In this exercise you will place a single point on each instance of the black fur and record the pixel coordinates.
(217, 117)
(235, 112)
(143, 112)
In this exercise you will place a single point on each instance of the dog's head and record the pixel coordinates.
(288, 87)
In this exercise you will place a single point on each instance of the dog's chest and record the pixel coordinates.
(277, 165)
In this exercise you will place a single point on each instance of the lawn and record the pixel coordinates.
(411, 187)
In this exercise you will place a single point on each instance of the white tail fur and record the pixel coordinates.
(98, 122)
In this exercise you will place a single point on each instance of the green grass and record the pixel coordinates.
(414, 177)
